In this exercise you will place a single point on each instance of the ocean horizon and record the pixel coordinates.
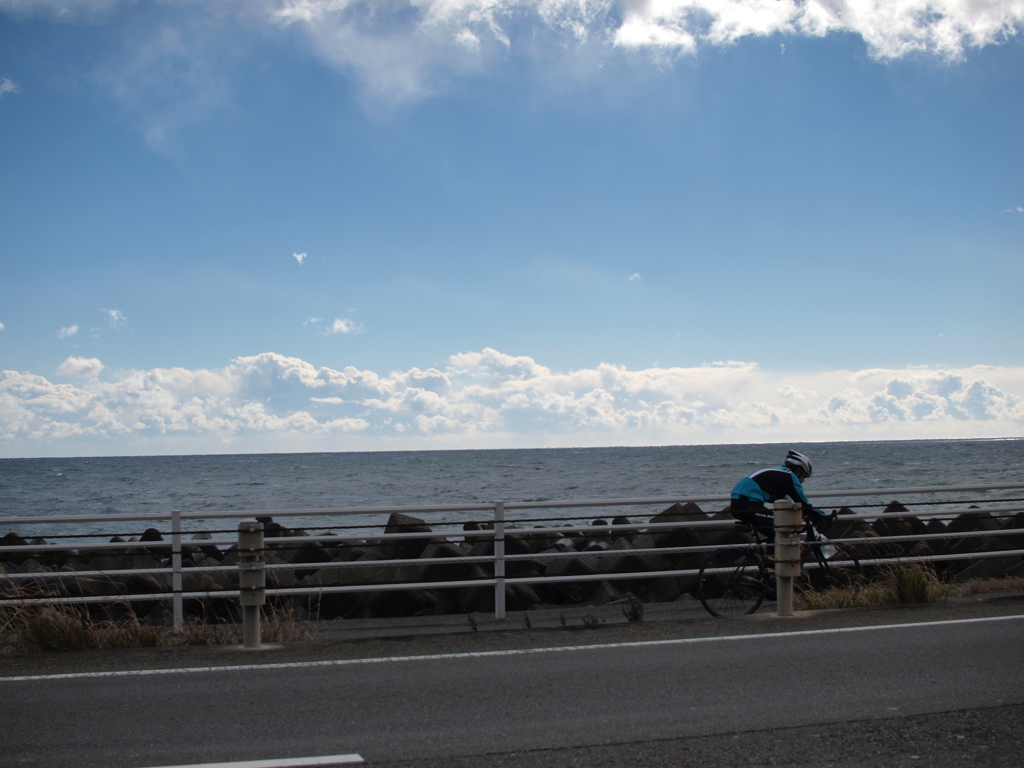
(44, 487)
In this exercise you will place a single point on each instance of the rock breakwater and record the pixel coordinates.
(414, 569)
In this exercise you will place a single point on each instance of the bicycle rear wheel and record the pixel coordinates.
(731, 582)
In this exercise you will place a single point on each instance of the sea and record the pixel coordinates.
(45, 487)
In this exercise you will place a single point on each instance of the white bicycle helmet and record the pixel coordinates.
(796, 460)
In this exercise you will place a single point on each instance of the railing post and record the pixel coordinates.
(499, 559)
(788, 525)
(252, 579)
(179, 616)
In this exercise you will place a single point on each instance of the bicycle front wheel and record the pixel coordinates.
(830, 565)
(731, 582)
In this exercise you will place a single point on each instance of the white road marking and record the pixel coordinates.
(288, 762)
(511, 652)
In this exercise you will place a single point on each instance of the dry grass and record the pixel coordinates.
(984, 586)
(894, 585)
(56, 627)
(633, 609)
(70, 628)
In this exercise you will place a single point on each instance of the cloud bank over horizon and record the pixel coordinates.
(270, 402)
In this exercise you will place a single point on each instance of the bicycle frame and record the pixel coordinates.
(736, 581)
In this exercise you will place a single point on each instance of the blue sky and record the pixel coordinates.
(342, 225)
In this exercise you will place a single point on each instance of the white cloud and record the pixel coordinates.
(343, 325)
(115, 318)
(1018, 209)
(2, 326)
(8, 86)
(179, 69)
(491, 399)
(635, 277)
(395, 48)
(68, 331)
(299, 257)
(77, 367)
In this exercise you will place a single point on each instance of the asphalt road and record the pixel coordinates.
(618, 696)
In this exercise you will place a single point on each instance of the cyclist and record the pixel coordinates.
(758, 489)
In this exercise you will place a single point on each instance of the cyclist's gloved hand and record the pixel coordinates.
(822, 521)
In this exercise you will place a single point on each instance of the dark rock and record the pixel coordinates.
(970, 522)
(13, 540)
(279, 578)
(628, 533)
(96, 586)
(449, 571)
(663, 589)
(520, 597)
(209, 550)
(682, 536)
(392, 603)
(865, 543)
(939, 546)
(208, 581)
(894, 507)
(726, 533)
(623, 558)
(1013, 530)
(598, 534)
(846, 528)
(571, 566)
(539, 538)
(974, 521)
(107, 562)
(1014, 522)
(146, 584)
(920, 549)
(306, 553)
(406, 549)
(152, 534)
(733, 535)
(139, 561)
(446, 603)
(476, 599)
(898, 526)
(603, 592)
(563, 544)
(516, 544)
(990, 567)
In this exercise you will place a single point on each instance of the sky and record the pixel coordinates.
(239, 226)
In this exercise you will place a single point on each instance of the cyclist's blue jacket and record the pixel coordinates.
(769, 485)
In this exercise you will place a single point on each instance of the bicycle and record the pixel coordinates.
(735, 581)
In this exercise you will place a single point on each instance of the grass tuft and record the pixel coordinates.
(893, 585)
(633, 609)
(58, 627)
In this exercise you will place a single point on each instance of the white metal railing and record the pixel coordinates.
(499, 532)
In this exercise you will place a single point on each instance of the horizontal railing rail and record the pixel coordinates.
(174, 566)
